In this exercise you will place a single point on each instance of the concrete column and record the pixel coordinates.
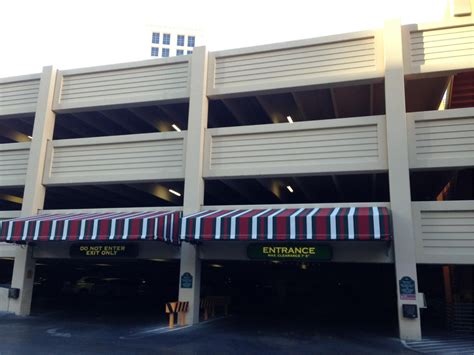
(33, 197)
(400, 196)
(194, 183)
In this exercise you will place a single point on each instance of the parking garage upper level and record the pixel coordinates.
(302, 107)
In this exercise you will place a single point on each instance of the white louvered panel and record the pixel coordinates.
(447, 234)
(444, 141)
(106, 161)
(13, 163)
(438, 47)
(289, 64)
(313, 149)
(124, 85)
(18, 97)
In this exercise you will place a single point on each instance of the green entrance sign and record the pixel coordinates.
(293, 251)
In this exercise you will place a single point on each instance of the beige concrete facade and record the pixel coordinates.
(376, 143)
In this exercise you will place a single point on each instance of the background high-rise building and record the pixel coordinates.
(170, 42)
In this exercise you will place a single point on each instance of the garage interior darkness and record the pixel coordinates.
(121, 289)
(318, 293)
(328, 294)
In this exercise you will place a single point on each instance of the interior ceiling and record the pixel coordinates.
(303, 189)
(317, 104)
(130, 120)
(114, 196)
(425, 94)
(11, 198)
(16, 129)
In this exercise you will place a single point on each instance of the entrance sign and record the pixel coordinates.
(407, 288)
(186, 280)
(104, 250)
(287, 251)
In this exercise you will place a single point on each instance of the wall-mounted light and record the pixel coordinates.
(175, 192)
(290, 188)
(176, 127)
(30, 137)
(289, 119)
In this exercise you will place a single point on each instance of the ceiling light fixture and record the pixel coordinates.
(30, 137)
(175, 192)
(290, 188)
(289, 119)
(176, 127)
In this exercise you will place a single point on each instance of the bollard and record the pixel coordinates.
(209, 304)
(178, 307)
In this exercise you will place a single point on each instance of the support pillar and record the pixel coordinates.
(194, 183)
(399, 178)
(33, 197)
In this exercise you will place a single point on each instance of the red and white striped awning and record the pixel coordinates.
(351, 223)
(103, 226)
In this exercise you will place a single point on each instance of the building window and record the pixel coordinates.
(166, 38)
(180, 40)
(165, 52)
(179, 52)
(155, 37)
(189, 52)
(154, 52)
(191, 41)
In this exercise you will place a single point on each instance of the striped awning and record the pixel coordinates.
(351, 223)
(162, 226)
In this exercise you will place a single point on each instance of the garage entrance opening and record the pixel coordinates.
(317, 293)
(6, 271)
(119, 290)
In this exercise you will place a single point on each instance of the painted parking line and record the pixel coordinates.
(54, 332)
(445, 345)
(166, 329)
(144, 333)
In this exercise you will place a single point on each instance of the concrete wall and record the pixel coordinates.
(351, 144)
(141, 157)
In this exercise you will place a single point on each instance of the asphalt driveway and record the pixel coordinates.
(59, 333)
